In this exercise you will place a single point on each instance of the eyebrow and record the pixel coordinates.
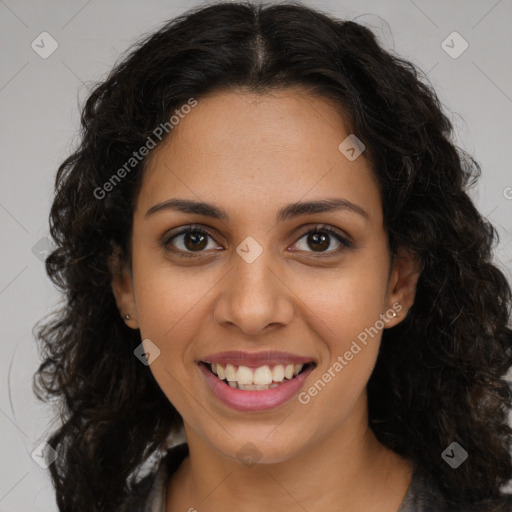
(288, 212)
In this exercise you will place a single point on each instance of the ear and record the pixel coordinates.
(406, 270)
(122, 288)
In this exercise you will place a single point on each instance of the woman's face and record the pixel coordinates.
(260, 283)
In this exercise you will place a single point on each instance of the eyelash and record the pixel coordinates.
(321, 228)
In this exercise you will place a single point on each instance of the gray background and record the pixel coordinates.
(39, 101)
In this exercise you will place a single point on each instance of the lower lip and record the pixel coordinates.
(241, 400)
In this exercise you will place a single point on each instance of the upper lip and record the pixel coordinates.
(240, 358)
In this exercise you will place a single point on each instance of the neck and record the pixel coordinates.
(348, 470)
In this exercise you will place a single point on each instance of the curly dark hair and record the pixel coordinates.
(440, 373)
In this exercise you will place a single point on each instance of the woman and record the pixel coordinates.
(266, 244)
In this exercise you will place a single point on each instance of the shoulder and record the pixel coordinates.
(425, 495)
(149, 494)
(500, 504)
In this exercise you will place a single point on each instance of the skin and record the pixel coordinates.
(252, 155)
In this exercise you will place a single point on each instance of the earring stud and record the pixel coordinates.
(394, 314)
(126, 316)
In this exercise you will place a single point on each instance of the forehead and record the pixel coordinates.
(263, 149)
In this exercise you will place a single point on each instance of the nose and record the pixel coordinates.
(253, 298)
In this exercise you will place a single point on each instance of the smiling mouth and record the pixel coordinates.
(259, 378)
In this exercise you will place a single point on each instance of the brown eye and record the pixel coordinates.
(190, 240)
(195, 241)
(318, 241)
(321, 240)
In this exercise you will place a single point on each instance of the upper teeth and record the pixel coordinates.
(261, 376)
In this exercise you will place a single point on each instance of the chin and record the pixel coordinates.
(260, 448)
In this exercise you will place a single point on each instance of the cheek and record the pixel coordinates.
(349, 325)
(348, 309)
(347, 304)
(172, 304)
